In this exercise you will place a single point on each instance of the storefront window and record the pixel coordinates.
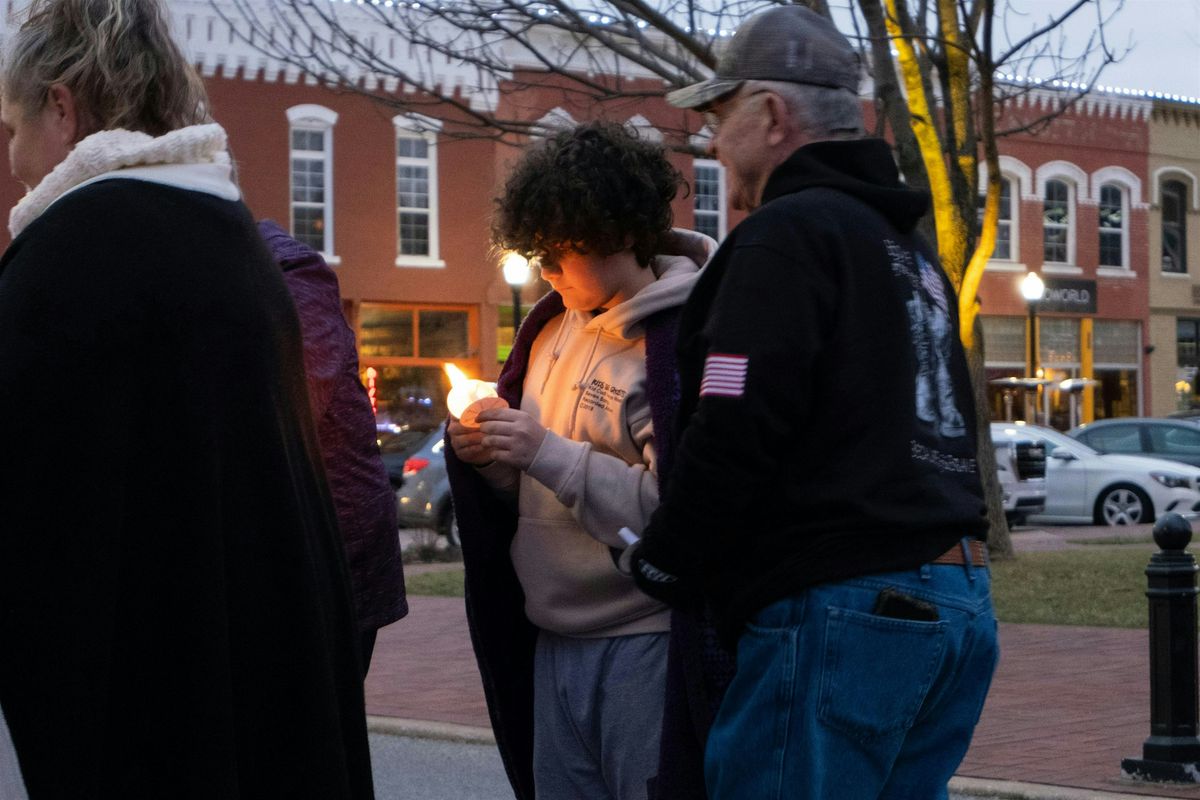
(1007, 403)
(412, 398)
(1004, 340)
(1116, 396)
(1116, 351)
(1004, 344)
(402, 350)
(1058, 342)
(386, 332)
(1187, 354)
(1058, 359)
(443, 334)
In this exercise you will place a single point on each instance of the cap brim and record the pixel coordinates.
(701, 94)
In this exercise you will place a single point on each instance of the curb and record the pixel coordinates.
(971, 787)
(1018, 790)
(424, 729)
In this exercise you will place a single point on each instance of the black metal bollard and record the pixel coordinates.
(1172, 751)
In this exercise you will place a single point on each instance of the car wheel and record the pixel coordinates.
(448, 526)
(1123, 504)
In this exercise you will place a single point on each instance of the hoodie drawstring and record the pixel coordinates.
(587, 367)
(555, 352)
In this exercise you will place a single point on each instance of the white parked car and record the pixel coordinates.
(1021, 468)
(1083, 485)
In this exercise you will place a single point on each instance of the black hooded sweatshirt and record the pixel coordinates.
(826, 421)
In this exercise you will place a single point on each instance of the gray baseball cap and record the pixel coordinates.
(788, 43)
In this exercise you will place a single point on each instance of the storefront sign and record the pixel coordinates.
(1067, 294)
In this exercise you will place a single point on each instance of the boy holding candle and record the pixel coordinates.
(576, 674)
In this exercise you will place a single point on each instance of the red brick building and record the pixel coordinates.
(400, 205)
(1076, 212)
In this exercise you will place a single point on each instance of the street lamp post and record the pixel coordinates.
(516, 275)
(1033, 290)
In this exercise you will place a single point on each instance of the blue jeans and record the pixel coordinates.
(832, 701)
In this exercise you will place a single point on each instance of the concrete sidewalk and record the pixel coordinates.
(1067, 703)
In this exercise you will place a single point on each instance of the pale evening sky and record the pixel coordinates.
(1163, 38)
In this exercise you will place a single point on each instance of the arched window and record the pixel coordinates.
(1056, 222)
(1174, 226)
(1113, 226)
(311, 157)
(1004, 228)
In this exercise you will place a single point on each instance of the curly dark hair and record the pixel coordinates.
(594, 188)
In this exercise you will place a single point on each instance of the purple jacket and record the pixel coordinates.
(362, 496)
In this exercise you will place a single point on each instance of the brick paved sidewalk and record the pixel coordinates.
(1067, 704)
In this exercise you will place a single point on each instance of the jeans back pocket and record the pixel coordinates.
(876, 671)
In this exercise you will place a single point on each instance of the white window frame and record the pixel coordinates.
(416, 126)
(310, 117)
(1179, 174)
(997, 263)
(1020, 178)
(1076, 180)
(722, 212)
(1131, 193)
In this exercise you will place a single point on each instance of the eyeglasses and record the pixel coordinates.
(715, 120)
(551, 255)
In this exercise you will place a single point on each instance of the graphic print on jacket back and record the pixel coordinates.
(931, 326)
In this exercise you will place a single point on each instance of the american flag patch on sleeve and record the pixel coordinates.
(724, 375)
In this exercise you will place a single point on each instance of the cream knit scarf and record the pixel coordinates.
(109, 151)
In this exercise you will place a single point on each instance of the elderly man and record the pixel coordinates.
(826, 500)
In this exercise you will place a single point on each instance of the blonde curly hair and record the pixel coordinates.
(116, 56)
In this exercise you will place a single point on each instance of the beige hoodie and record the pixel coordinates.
(595, 471)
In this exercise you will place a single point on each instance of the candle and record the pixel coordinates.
(469, 396)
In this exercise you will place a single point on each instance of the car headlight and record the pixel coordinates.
(1172, 480)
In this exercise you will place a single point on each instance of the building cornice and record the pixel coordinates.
(1098, 104)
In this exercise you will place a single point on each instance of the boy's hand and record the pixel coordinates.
(511, 436)
(468, 444)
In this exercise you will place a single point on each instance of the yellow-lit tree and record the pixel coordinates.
(934, 67)
(944, 123)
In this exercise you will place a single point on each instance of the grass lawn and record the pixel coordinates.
(1103, 586)
(438, 584)
(1100, 585)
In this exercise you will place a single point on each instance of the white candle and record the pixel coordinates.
(469, 396)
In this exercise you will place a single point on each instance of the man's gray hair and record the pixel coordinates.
(821, 112)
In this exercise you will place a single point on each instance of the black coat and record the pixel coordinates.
(175, 619)
(698, 668)
(828, 428)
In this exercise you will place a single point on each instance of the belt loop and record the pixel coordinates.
(966, 548)
(926, 572)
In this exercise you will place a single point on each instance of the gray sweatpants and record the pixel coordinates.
(597, 709)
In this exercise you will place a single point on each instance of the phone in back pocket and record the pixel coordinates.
(895, 604)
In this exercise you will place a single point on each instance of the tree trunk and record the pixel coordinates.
(895, 109)
(999, 541)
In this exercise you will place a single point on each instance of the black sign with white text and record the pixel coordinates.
(1068, 294)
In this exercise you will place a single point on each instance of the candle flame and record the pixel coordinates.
(456, 375)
